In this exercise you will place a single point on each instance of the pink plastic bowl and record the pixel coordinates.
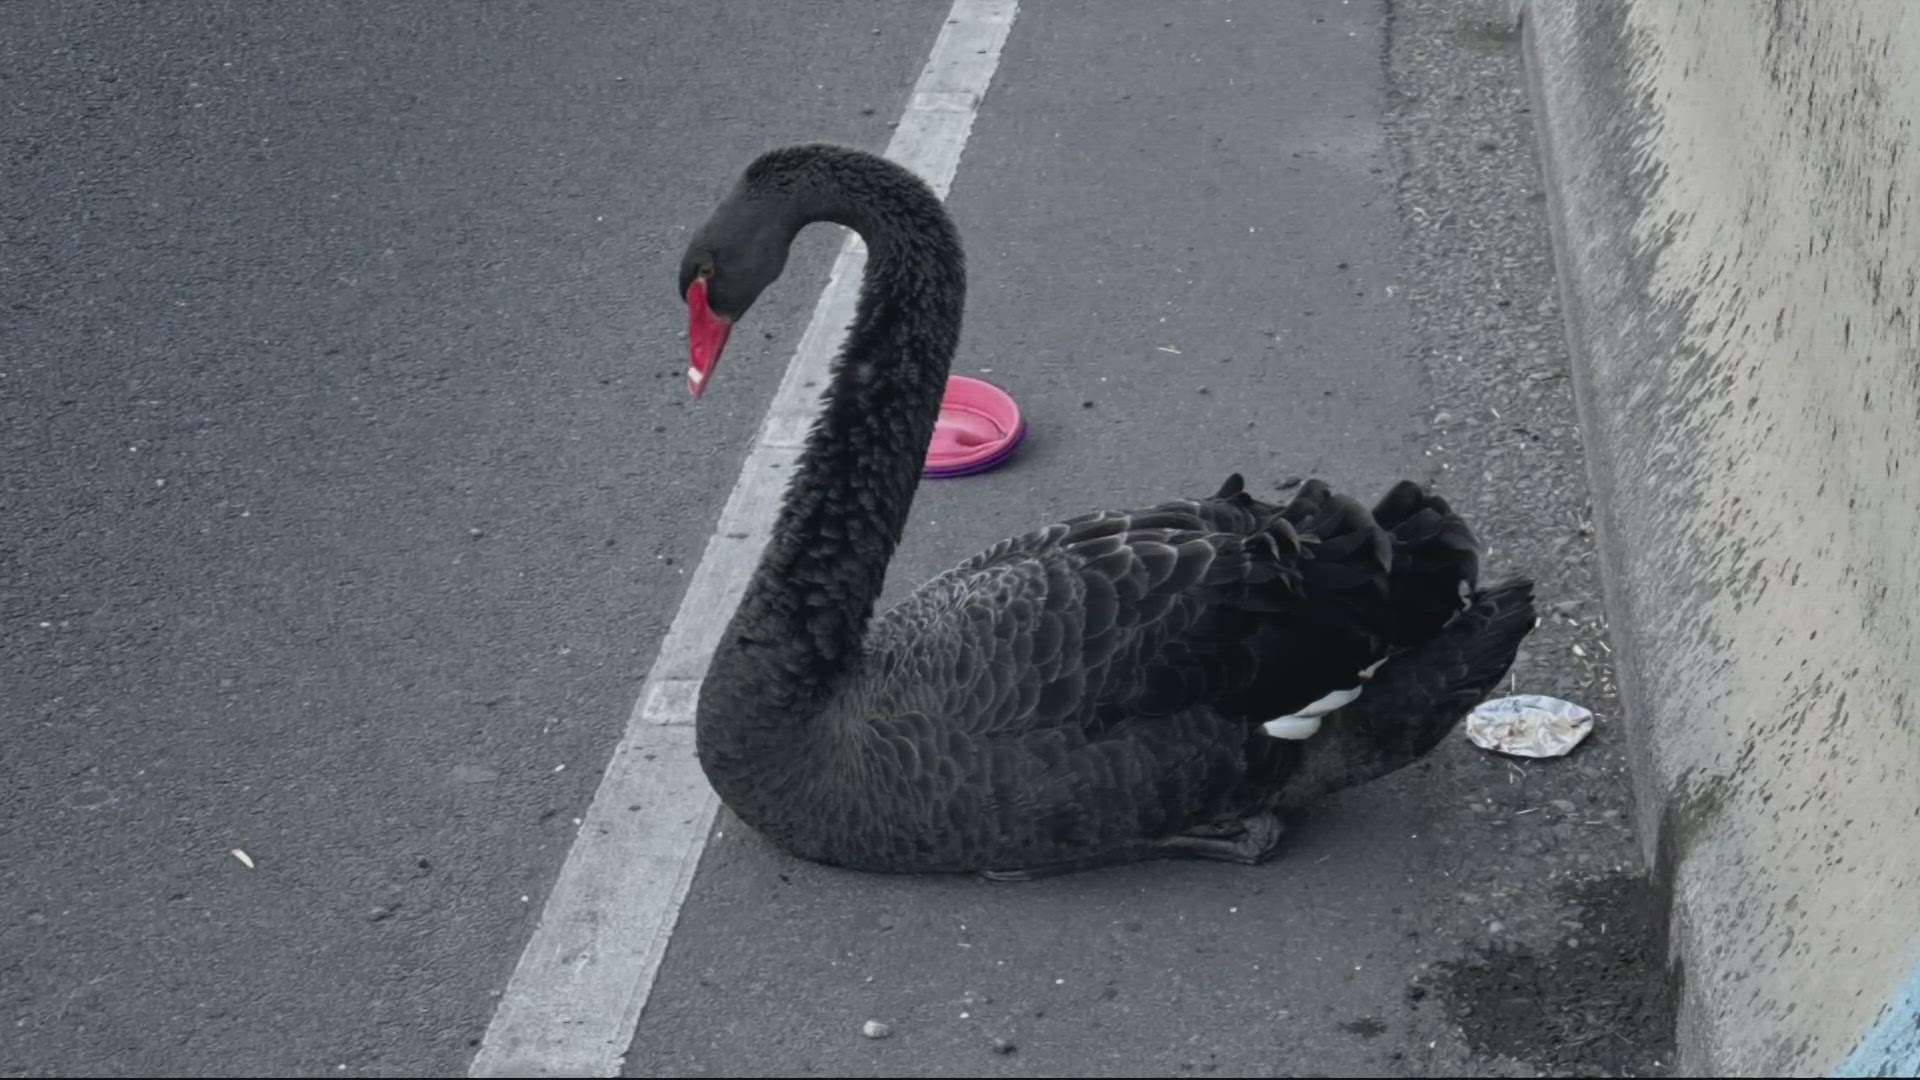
(979, 429)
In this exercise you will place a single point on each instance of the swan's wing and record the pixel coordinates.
(1107, 619)
(1050, 792)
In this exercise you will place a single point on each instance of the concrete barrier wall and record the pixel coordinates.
(1734, 191)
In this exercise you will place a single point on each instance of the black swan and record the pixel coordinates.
(1121, 686)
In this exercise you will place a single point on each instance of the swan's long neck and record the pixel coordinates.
(796, 638)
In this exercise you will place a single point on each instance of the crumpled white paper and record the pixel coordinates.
(1529, 725)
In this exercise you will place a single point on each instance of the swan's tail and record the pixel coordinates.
(1395, 574)
(1436, 562)
(1352, 554)
(1415, 698)
(1371, 584)
(1405, 568)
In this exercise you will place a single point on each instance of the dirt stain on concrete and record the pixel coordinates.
(1596, 1003)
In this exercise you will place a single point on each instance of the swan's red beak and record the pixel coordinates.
(706, 336)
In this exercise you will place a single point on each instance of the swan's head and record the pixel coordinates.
(732, 259)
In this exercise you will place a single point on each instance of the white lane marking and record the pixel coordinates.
(575, 998)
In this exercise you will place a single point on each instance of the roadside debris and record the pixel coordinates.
(1529, 725)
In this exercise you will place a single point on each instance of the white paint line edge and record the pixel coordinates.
(575, 998)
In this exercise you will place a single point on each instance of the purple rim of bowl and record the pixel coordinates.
(991, 461)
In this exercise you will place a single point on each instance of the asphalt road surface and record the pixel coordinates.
(348, 481)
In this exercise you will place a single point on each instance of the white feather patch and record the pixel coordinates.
(1292, 727)
(1325, 705)
(1303, 724)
